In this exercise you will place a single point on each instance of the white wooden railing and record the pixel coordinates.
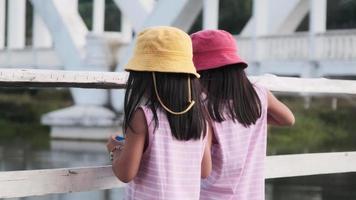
(337, 45)
(50, 181)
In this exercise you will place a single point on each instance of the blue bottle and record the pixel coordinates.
(119, 138)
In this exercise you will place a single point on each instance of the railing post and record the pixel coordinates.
(2, 23)
(98, 16)
(211, 14)
(16, 24)
(317, 24)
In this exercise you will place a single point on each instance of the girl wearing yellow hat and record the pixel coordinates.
(167, 137)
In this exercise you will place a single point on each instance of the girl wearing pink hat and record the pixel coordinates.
(167, 138)
(240, 111)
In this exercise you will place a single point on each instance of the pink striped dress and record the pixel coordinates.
(169, 169)
(238, 159)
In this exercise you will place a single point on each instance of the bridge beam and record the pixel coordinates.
(136, 11)
(66, 27)
(294, 18)
(16, 24)
(280, 16)
(41, 37)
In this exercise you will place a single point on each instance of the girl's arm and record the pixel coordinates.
(206, 165)
(278, 113)
(127, 161)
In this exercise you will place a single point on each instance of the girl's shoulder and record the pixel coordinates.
(261, 90)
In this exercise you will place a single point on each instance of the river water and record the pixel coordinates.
(60, 154)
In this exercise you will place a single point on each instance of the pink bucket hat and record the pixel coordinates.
(213, 49)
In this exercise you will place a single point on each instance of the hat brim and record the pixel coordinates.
(204, 61)
(167, 65)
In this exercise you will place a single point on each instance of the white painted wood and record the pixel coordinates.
(66, 27)
(16, 24)
(179, 14)
(260, 14)
(283, 16)
(91, 79)
(210, 14)
(295, 16)
(310, 164)
(63, 78)
(50, 181)
(126, 29)
(2, 23)
(317, 24)
(136, 10)
(30, 58)
(98, 16)
(329, 46)
(306, 85)
(318, 13)
(41, 37)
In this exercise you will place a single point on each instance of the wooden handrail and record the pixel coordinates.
(52, 181)
(117, 80)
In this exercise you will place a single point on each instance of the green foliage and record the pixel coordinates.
(112, 14)
(85, 9)
(341, 14)
(318, 129)
(233, 16)
(21, 110)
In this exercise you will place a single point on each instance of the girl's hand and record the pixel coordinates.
(112, 143)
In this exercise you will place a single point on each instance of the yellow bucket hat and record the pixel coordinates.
(163, 49)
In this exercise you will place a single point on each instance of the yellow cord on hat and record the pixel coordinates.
(165, 107)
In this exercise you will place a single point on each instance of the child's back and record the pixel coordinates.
(240, 111)
(238, 158)
(169, 169)
(164, 154)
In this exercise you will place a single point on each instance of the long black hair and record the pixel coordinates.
(230, 95)
(173, 91)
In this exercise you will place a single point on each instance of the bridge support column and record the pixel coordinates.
(71, 39)
(16, 24)
(317, 24)
(210, 14)
(98, 16)
(2, 24)
(318, 16)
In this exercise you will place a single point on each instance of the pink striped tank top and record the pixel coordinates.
(169, 169)
(238, 159)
